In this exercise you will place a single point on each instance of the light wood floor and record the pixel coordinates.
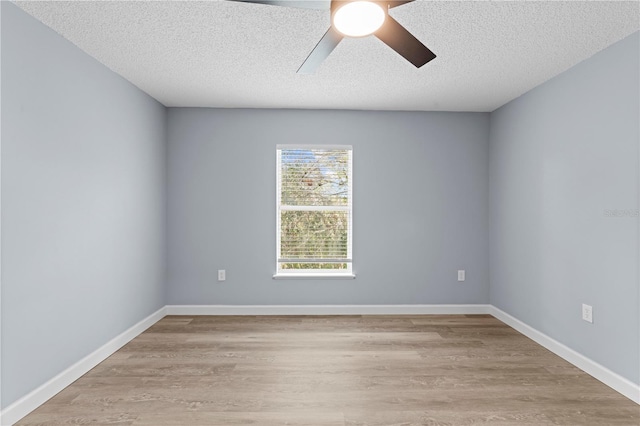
(346, 370)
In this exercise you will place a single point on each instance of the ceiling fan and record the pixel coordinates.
(358, 18)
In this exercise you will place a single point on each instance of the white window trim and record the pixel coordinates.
(313, 274)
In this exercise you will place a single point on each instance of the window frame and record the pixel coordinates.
(314, 273)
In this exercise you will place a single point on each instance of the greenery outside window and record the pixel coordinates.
(314, 202)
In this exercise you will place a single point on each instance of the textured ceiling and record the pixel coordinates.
(229, 54)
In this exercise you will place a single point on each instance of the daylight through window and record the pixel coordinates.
(314, 210)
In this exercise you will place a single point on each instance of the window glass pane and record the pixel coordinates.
(315, 266)
(314, 234)
(314, 177)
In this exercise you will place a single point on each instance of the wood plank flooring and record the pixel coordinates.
(335, 371)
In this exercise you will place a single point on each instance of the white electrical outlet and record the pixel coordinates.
(222, 275)
(461, 275)
(587, 313)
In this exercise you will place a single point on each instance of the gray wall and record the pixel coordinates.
(562, 156)
(83, 195)
(420, 206)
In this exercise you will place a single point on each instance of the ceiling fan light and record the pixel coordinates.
(358, 18)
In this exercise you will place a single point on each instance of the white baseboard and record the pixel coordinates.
(326, 309)
(606, 376)
(37, 397)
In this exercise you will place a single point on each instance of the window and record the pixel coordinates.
(314, 193)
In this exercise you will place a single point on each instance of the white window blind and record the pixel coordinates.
(314, 199)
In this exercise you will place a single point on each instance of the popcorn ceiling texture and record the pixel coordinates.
(241, 55)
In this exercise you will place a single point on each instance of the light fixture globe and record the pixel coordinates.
(357, 18)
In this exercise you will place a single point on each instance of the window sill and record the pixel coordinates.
(310, 276)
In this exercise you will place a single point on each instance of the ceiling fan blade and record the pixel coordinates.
(395, 3)
(325, 46)
(402, 41)
(301, 4)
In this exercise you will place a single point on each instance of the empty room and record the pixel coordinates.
(322, 213)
